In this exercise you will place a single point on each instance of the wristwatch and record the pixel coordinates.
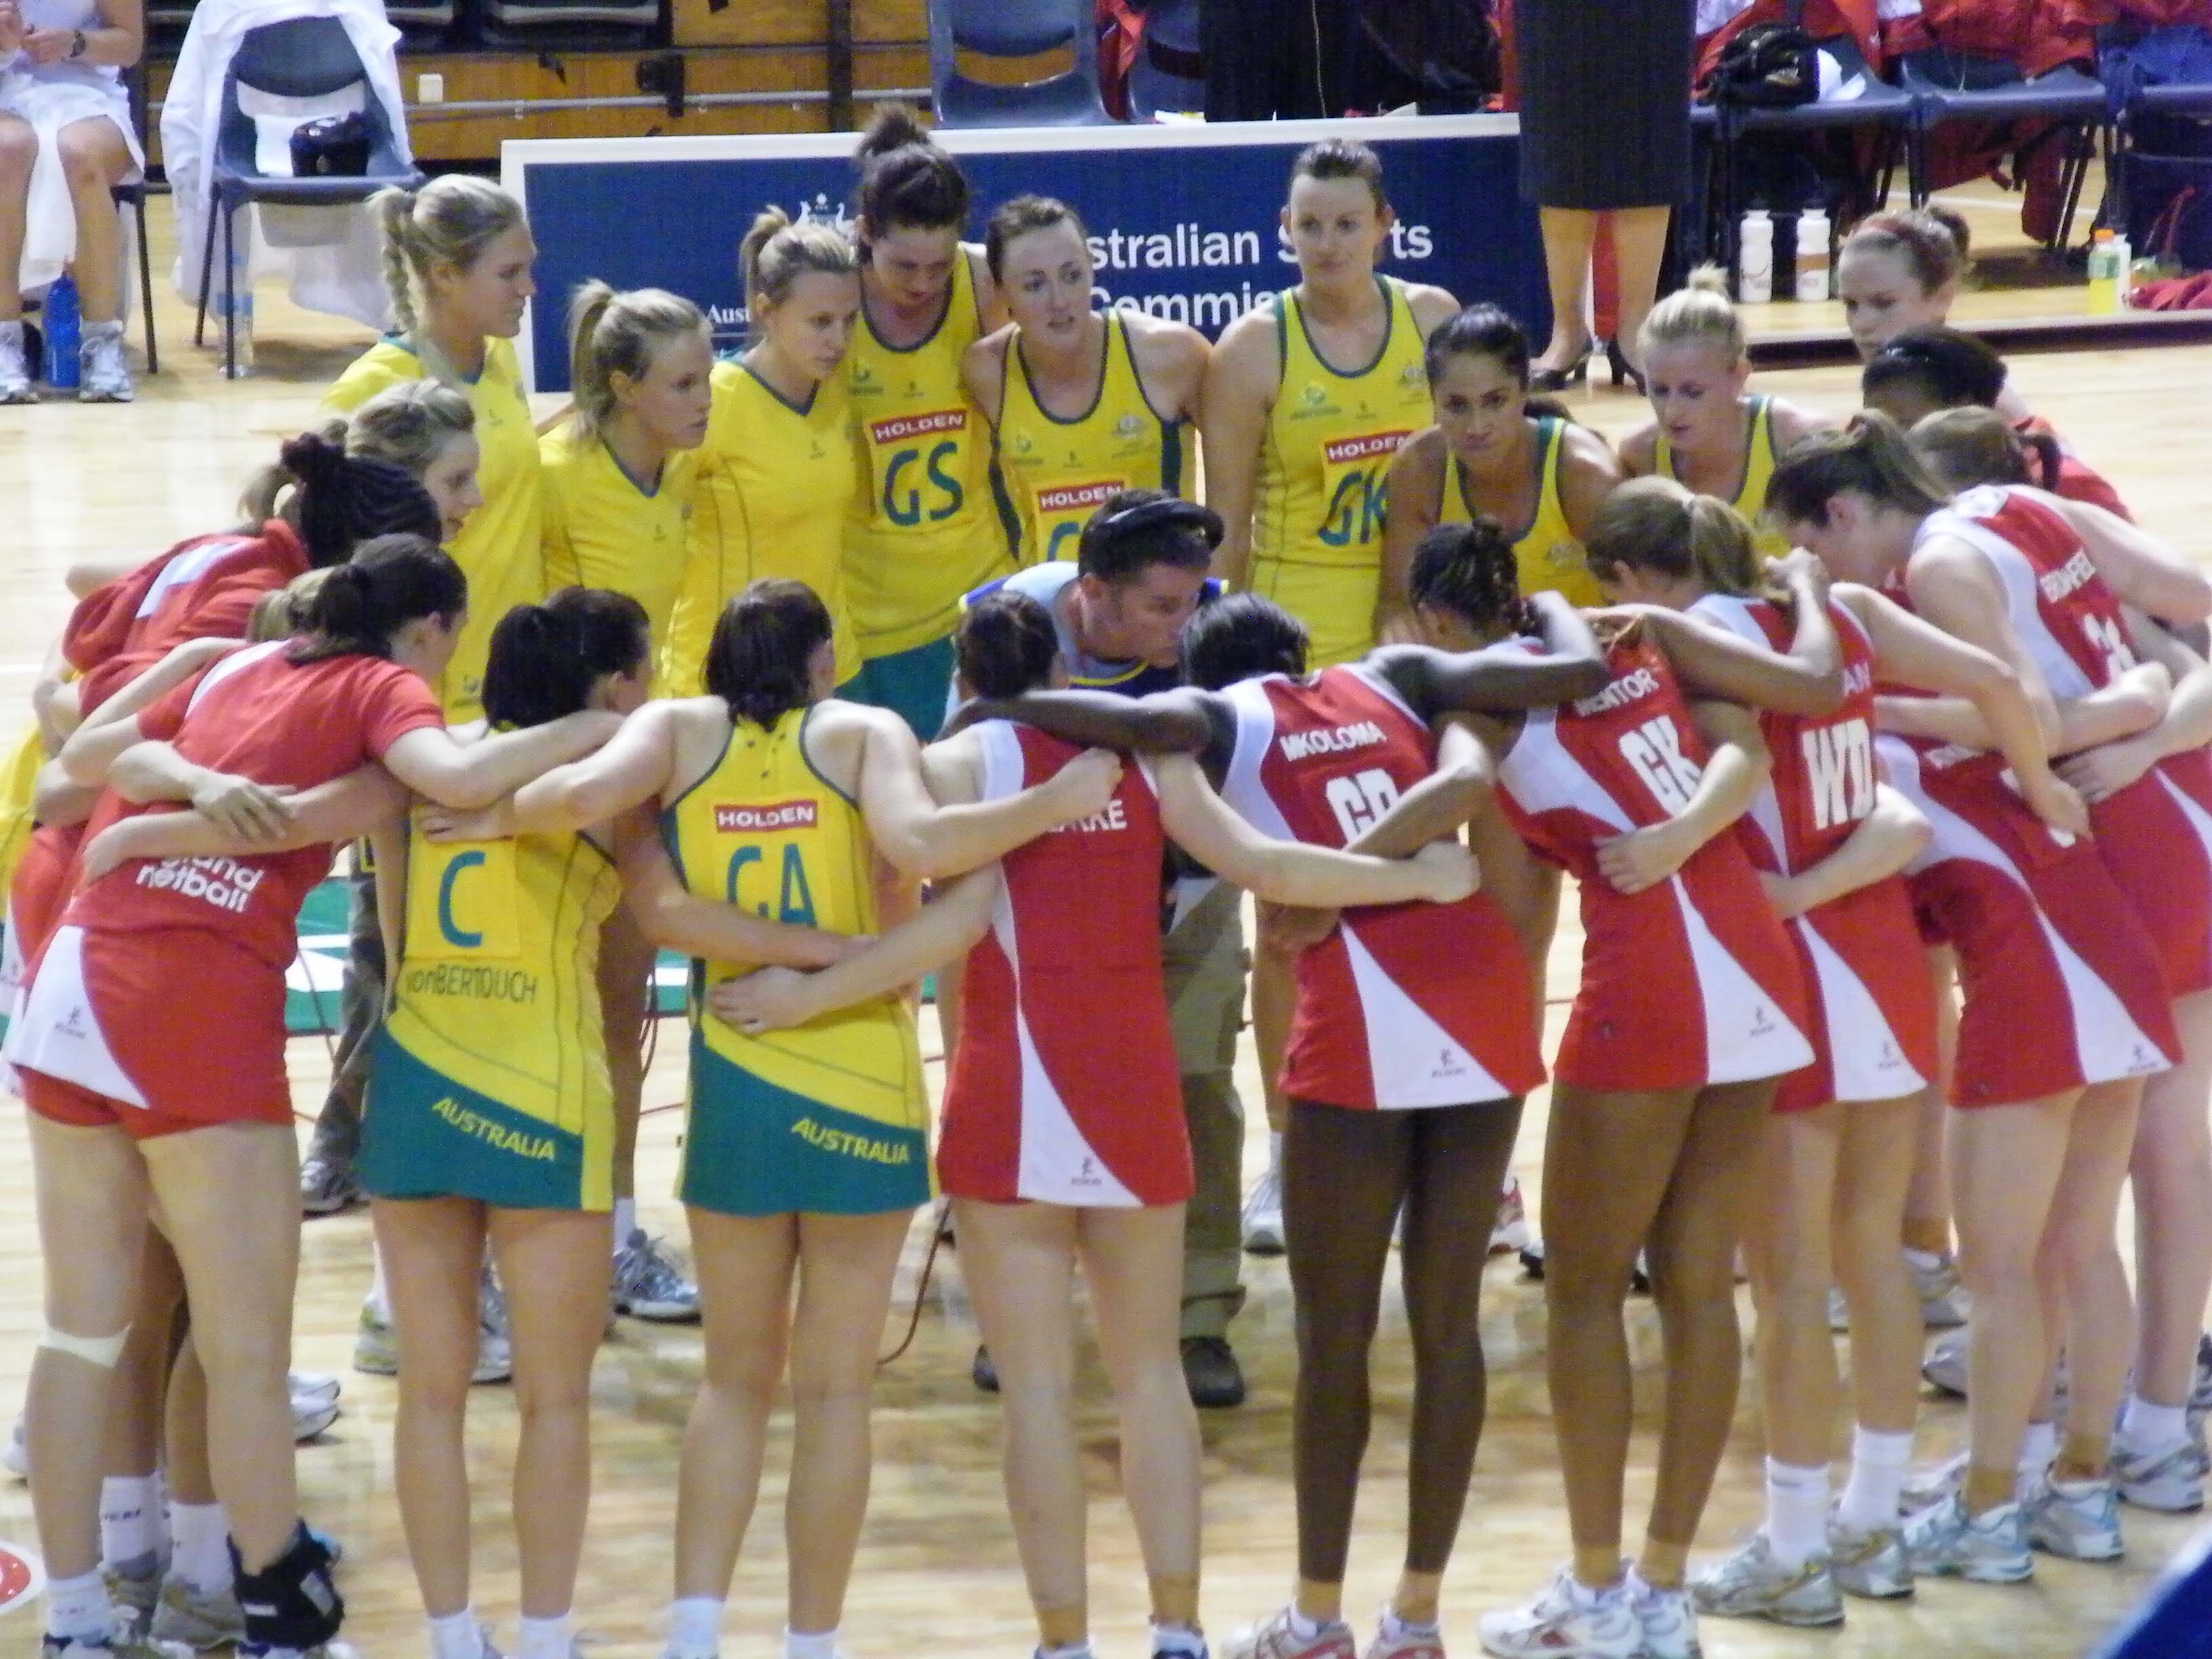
(76, 43)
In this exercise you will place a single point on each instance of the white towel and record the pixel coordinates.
(48, 105)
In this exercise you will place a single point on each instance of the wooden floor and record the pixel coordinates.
(936, 1570)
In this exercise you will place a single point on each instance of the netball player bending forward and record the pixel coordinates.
(806, 1150)
(2065, 1010)
(1827, 837)
(1080, 1153)
(1414, 1039)
(2153, 839)
(140, 1096)
(1690, 1008)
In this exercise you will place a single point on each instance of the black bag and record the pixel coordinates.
(1768, 66)
(331, 146)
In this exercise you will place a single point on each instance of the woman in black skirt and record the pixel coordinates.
(1605, 128)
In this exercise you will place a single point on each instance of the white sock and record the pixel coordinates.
(2038, 1450)
(1177, 1639)
(695, 1624)
(802, 1644)
(1275, 1153)
(457, 1636)
(200, 1544)
(546, 1638)
(1797, 1512)
(380, 1295)
(1875, 1490)
(1395, 1629)
(1303, 1628)
(1926, 1261)
(78, 1606)
(1067, 1650)
(625, 1222)
(131, 1522)
(2146, 1427)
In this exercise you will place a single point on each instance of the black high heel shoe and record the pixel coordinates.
(1624, 373)
(1558, 379)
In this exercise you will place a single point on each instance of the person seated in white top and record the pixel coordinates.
(66, 141)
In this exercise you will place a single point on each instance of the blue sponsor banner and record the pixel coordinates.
(1183, 219)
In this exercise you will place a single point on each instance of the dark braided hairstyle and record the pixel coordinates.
(339, 500)
(1470, 570)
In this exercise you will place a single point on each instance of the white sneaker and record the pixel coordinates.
(1945, 1368)
(310, 1417)
(1943, 1297)
(2170, 1480)
(495, 1349)
(1510, 1230)
(1839, 1311)
(376, 1346)
(1275, 1637)
(200, 1619)
(1752, 1584)
(1568, 1621)
(15, 386)
(2078, 1520)
(1263, 1214)
(1872, 1565)
(103, 371)
(1669, 1620)
(1934, 1484)
(312, 1385)
(1990, 1548)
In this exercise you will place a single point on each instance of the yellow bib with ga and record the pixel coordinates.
(1750, 497)
(604, 529)
(1549, 556)
(1317, 507)
(1049, 475)
(768, 492)
(830, 1116)
(489, 1079)
(500, 548)
(921, 533)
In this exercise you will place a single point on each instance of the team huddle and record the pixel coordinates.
(901, 647)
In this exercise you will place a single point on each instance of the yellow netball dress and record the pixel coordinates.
(829, 1117)
(1545, 549)
(1050, 475)
(920, 532)
(768, 490)
(499, 549)
(1750, 497)
(606, 529)
(488, 1080)
(1317, 512)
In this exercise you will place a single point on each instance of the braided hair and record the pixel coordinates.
(1471, 570)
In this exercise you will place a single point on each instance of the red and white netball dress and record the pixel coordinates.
(163, 988)
(1870, 1006)
(2154, 836)
(1064, 1087)
(1404, 1005)
(202, 588)
(1691, 981)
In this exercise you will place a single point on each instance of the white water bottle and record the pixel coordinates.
(1754, 267)
(1813, 264)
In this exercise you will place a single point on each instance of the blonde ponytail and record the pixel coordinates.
(1654, 524)
(611, 334)
(776, 252)
(1721, 548)
(450, 222)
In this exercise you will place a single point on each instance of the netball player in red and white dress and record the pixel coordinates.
(1690, 1008)
(141, 1095)
(2138, 754)
(2065, 1009)
(1828, 838)
(1063, 1139)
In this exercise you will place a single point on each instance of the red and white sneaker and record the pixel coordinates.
(1279, 1638)
(1396, 1639)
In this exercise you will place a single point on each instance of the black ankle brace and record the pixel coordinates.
(292, 1602)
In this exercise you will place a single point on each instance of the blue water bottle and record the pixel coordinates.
(60, 318)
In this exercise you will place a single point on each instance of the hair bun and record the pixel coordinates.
(312, 457)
